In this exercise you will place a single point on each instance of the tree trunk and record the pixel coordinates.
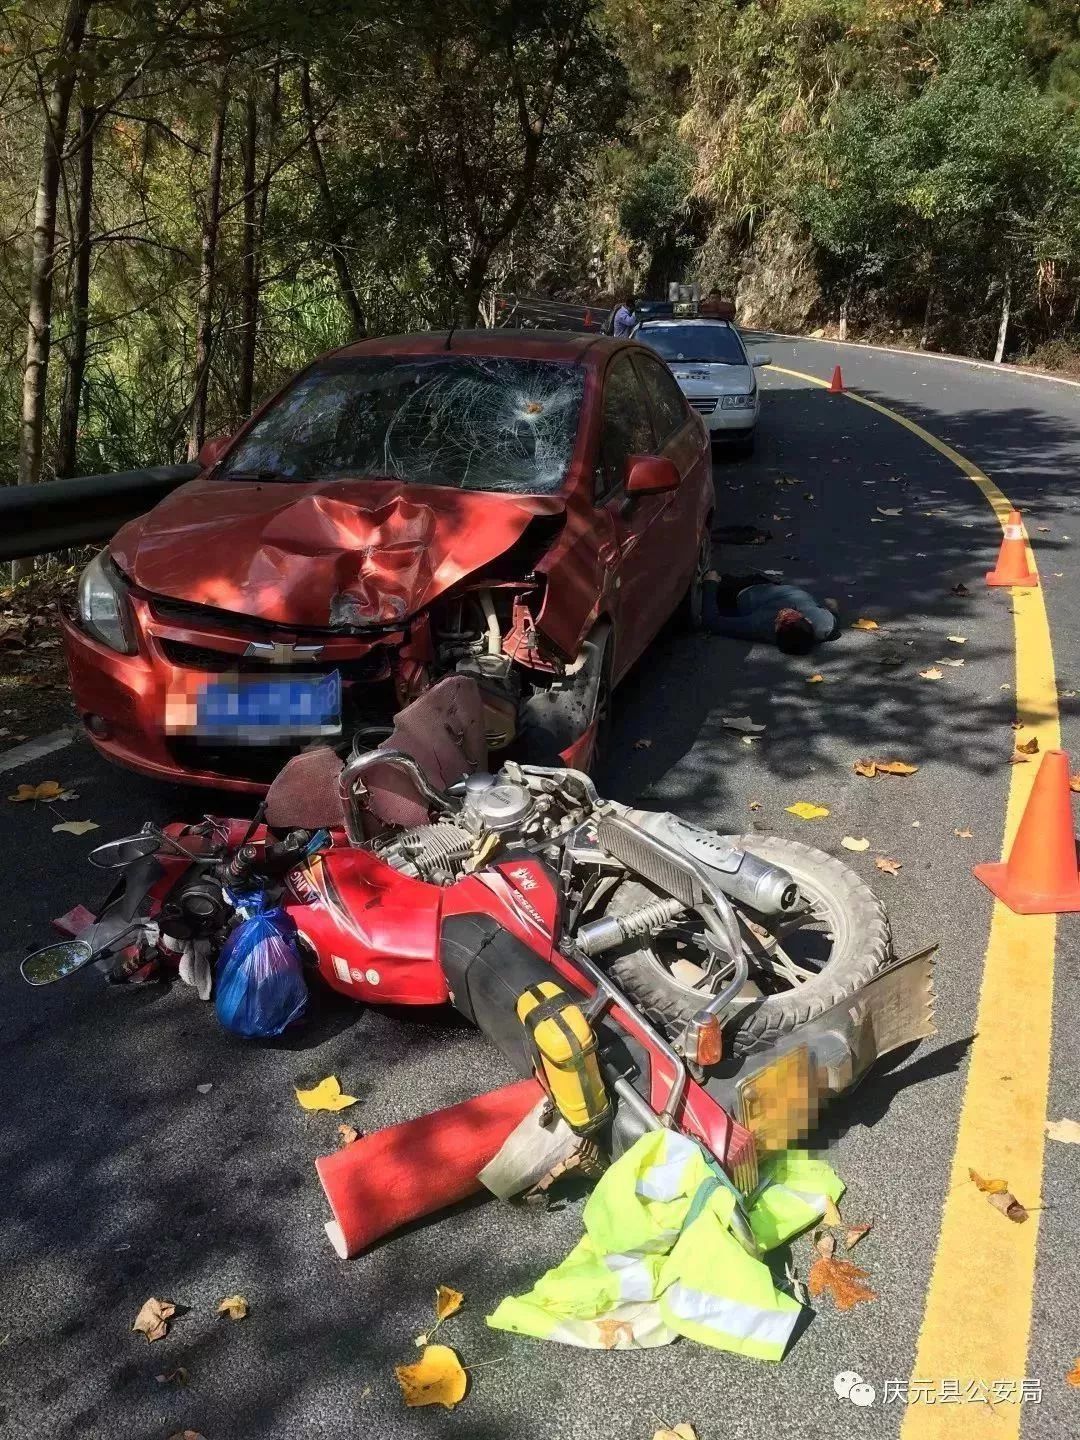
(843, 317)
(68, 436)
(249, 293)
(43, 256)
(204, 310)
(1003, 327)
(924, 338)
(472, 294)
(330, 213)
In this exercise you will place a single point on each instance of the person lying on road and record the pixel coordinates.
(753, 607)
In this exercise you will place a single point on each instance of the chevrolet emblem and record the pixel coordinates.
(281, 652)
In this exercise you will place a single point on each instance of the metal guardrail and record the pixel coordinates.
(35, 519)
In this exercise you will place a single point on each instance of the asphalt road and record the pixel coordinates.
(121, 1180)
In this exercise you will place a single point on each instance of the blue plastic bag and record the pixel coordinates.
(260, 978)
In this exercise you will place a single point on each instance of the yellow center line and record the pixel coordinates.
(977, 1319)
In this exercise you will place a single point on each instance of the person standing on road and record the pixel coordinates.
(625, 319)
(753, 607)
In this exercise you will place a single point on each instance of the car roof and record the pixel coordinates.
(564, 345)
(669, 322)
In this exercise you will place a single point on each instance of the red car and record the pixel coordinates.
(527, 509)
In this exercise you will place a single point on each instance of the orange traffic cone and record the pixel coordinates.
(588, 319)
(836, 384)
(1012, 561)
(1040, 876)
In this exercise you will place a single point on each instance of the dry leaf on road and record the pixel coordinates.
(960, 589)
(832, 1215)
(932, 674)
(326, 1095)
(869, 768)
(447, 1302)
(815, 679)
(825, 1244)
(1009, 1206)
(855, 1233)
(862, 624)
(153, 1319)
(754, 805)
(887, 866)
(806, 811)
(436, 1379)
(682, 1431)
(46, 790)
(179, 1376)
(957, 639)
(742, 723)
(1067, 1131)
(952, 664)
(849, 842)
(205, 1087)
(643, 744)
(1028, 747)
(187, 1435)
(1073, 1377)
(235, 1306)
(1074, 782)
(888, 510)
(842, 1279)
(347, 1134)
(988, 1187)
(75, 827)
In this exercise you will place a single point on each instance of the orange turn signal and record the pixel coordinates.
(708, 1041)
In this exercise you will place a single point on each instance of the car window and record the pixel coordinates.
(706, 342)
(461, 421)
(627, 427)
(669, 407)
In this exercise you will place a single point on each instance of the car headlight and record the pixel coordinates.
(103, 606)
(738, 402)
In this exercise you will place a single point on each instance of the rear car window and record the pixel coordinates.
(460, 421)
(704, 341)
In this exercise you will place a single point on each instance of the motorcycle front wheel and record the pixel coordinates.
(801, 962)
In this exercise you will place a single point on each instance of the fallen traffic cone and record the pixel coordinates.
(836, 384)
(385, 1180)
(1040, 876)
(1012, 561)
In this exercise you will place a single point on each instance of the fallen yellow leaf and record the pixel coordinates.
(862, 624)
(437, 1378)
(832, 1215)
(327, 1095)
(932, 674)
(46, 790)
(682, 1431)
(957, 639)
(855, 1233)
(805, 811)
(814, 679)
(756, 804)
(447, 1302)
(870, 768)
(988, 1187)
(235, 1306)
(850, 843)
(75, 827)
(153, 1319)
(1067, 1131)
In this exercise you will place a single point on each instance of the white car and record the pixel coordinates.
(714, 371)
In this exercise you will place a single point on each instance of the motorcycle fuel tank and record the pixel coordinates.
(374, 931)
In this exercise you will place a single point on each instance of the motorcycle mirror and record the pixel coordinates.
(56, 962)
(115, 854)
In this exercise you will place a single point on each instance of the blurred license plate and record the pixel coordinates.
(258, 709)
(779, 1103)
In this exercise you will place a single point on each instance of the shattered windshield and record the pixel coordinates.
(462, 421)
(707, 343)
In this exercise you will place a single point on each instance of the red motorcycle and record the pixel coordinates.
(725, 985)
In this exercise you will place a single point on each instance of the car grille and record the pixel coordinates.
(703, 404)
(364, 669)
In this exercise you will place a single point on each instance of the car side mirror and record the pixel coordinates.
(212, 451)
(758, 360)
(650, 475)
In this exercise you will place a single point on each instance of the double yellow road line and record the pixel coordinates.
(977, 1319)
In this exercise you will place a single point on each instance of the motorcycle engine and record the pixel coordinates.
(493, 805)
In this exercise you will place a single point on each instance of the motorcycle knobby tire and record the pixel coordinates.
(862, 947)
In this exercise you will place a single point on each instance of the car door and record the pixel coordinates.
(679, 438)
(634, 523)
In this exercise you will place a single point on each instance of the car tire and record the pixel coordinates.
(689, 614)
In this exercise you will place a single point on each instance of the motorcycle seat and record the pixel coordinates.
(443, 731)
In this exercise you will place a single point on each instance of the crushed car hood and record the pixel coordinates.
(338, 552)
